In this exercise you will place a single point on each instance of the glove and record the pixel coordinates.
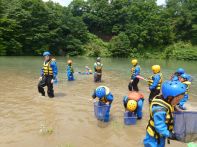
(172, 136)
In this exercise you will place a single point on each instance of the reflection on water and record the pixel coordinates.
(28, 119)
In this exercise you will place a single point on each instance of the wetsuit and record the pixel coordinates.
(161, 123)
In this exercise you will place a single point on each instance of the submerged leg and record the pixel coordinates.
(42, 84)
(50, 87)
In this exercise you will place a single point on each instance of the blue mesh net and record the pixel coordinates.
(101, 111)
(185, 126)
(130, 118)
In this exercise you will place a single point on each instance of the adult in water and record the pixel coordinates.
(98, 66)
(48, 75)
(135, 71)
(161, 123)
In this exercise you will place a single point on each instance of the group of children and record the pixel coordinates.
(155, 81)
(162, 106)
(49, 71)
(97, 70)
(160, 125)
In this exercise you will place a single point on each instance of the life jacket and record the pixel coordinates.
(187, 83)
(150, 81)
(70, 70)
(47, 68)
(98, 67)
(169, 117)
(135, 96)
(104, 99)
(133, 70)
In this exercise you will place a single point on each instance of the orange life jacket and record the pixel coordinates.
(135, 95)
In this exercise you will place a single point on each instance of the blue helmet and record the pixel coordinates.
(180, 71)
(185, 76)
(100, 92)
(46, 53)
(172, 88)
(189, 78)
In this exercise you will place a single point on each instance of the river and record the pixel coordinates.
(28, 119)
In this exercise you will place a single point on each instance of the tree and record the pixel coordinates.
(28, 27)
(183, 15)
(120, 45)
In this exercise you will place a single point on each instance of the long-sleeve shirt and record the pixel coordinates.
(136, 72)
(159, 117)
(109, 97)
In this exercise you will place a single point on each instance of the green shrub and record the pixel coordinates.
(181, 50)
(120, 45)
(96, 47)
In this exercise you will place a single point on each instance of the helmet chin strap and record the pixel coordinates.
(170, 99)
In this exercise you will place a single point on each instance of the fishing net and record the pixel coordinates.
(101, 111)
(185, 126)
(130, 118)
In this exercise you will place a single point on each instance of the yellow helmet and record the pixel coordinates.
(131, 105)
(134, 62)
(156, 68)
(69, 61)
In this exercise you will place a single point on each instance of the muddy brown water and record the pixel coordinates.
(28, 119)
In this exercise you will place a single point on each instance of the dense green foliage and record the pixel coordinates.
(181, 50)
(120, 45)
(28, 27)
(99, 28)
(96, 47)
